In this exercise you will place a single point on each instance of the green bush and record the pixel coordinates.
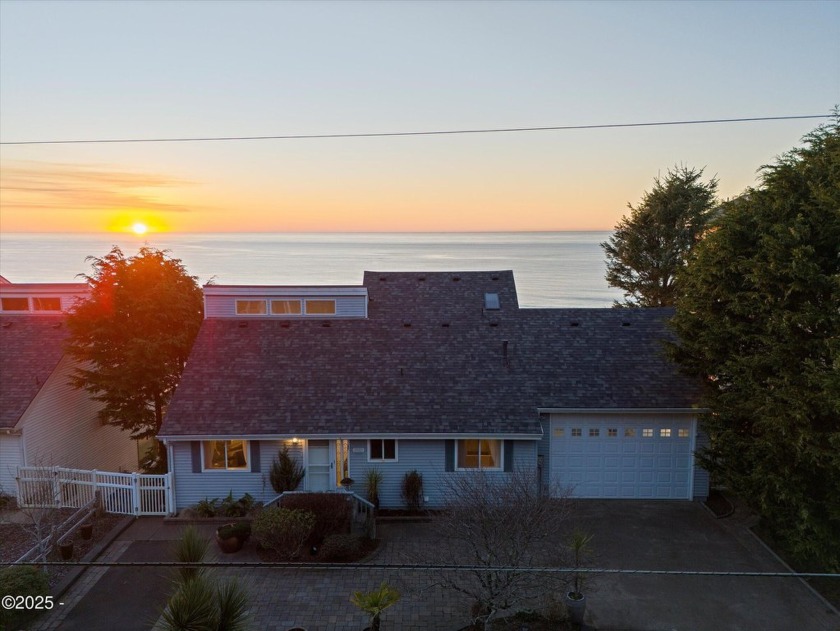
(283, 530)
(342, 548)
(241, 530)
(227, 507)
(206, 507)
(412, 490)
(331, 510)
(286, 473)
(20, 580)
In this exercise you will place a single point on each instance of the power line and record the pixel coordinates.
(449, 132)
(426, 568)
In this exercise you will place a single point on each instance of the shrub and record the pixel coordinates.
(343, 547)
(331, 510)
(190, 548)
(412, 489)
(206, 507)
(286, 473)
(230, 507)
(283, 530)
(373, 480)
(241, 530)
(20, 580)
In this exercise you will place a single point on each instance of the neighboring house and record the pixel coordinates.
(438, 372)
(43, 420)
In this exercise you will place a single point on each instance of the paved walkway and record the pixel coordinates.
(638, 534)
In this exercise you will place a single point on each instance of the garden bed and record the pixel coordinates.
(16, 541)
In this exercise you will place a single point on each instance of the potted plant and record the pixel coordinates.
(575, 598)
(86, 530)
(373, 480)
(346, 483)
(65, 549)
(231, 537)
(375, 602)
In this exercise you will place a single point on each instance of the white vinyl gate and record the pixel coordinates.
(122, 493)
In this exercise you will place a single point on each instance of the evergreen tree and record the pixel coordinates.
(649, 247)
(132, 337)
(759, 320)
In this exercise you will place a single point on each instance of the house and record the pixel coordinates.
(438, 372)
(44, 421)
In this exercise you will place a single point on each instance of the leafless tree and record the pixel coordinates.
(500, 524)
(39, 501)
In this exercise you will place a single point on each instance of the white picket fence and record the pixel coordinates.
(122, 493)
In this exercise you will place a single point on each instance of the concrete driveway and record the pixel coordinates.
(665, 535)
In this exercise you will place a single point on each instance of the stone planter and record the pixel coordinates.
(576, 606)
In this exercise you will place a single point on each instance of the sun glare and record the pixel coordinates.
(139, 228)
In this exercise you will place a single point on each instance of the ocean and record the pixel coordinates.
(552, 269)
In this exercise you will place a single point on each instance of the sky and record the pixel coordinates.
(108, 70)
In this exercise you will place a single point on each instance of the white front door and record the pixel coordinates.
(319, 475)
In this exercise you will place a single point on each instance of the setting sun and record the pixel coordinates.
(139, 228)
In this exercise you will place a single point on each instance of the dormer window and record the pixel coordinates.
(285, 307)
(250, 307)
(46, 304)
(320, 307)
(15, 304)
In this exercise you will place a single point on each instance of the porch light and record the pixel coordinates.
(295, 440)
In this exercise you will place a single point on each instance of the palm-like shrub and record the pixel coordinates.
(375, 602)
(190, 548)
(202, 604)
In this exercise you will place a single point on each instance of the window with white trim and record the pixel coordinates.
(647, 432)
(250, 307)
(665, 433)
(15, 304)
(320, 307)
(46, 304)
(285, 307)
(226, 455)
(479, 453)
(382, 449)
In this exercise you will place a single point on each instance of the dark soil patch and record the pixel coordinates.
(718, 504)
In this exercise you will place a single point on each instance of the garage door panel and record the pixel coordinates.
(648, 457)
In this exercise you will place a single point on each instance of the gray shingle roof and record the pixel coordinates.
(30, 349)
(429, 359)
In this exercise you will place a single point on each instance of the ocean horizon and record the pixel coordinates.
(551, 269)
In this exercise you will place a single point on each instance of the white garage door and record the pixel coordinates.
(623, 458)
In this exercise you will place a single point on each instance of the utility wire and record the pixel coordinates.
(425, 568)
(449, 132)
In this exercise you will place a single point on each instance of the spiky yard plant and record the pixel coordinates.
(190, 548)
(375, 602)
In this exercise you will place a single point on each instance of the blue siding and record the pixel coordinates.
(427, 457)
(701, 476)
(191, 487)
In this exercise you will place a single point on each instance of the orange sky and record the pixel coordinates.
(140, 70)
